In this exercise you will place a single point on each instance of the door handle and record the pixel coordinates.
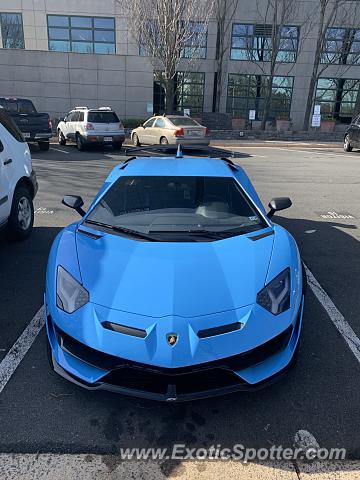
(8, 161)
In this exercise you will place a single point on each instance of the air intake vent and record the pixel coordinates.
(263, 30)
(212, 332)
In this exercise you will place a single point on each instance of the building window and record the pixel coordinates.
(254, 43)
(12, 30)
(338, 98)
(341, 46)
(248, 92)
(196, 45)
(189, 92)
(81, 34)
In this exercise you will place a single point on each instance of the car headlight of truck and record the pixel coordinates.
(275, 296)
(70, 294)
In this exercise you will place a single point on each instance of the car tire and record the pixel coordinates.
(61, 138)
(21, 218)
(117, 145)
(347, 145)
(80, 143)
(135, 140)
(164, 141)
(44, 146)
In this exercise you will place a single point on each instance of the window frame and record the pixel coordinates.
(260, 82)
(336, 105)
(21, 24)
(250, 43)
(91, 29)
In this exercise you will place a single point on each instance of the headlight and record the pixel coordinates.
(70, 294)
(275, 297)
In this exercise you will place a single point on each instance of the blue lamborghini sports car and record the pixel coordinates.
(175, 284)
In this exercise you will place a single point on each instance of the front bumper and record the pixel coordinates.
(264, 364)
(34, 182)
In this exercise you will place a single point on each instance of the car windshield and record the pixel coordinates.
(183, 122)
(103, 117)
(177, 208)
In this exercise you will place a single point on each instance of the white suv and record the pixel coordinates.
(18, 185)
(90, 127)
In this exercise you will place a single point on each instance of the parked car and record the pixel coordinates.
(352, 135)
(175, 284)
(172, 130)
(36, 127)
(93, 126)
(18, 185)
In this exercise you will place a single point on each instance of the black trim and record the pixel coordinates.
(4, 200)
(212, 332)
(134, 332)
(94, 236)
(262, 235)
(8, 161)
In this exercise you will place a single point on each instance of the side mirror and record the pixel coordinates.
(74, 202)
(277, 204)
(64, 120)
(143, 125)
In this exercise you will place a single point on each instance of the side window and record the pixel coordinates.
(75, 117)
(149, 123)
(357, 121)
(160, 123)
(81, 117)
(11, 127)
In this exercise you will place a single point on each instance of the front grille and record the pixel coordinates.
(235, 362)
(183, 384)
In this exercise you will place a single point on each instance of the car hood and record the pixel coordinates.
(158, 279)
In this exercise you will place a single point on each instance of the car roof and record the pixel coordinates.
(172, 166)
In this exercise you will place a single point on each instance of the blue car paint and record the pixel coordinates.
(165, 287)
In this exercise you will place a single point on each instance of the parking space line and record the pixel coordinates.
(335, 316)
(18, 351)
(58, 150)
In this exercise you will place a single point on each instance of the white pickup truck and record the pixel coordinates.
(18, 185)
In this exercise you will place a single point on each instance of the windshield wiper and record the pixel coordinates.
(125, 231)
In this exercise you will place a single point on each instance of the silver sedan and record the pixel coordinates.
(170, 130)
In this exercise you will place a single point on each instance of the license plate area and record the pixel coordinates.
(107, 139)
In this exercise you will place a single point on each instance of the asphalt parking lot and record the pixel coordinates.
(40, 413)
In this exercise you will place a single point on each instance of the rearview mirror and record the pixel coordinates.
(74, 202)
(277, 204)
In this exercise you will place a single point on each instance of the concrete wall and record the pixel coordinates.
(57, 82)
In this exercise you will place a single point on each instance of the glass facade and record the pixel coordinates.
(338, 98)
(248, 92)
(81, 34)
(12, 32)
(197, 43)
(189, 92)
(341, 46)
(254, 43)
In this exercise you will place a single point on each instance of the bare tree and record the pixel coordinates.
(171, 33)
(275, 41)
(224, 13)
(330, 14)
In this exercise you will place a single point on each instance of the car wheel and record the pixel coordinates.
(117, 145)
(136, 140)
(61, 138)
(347, 145)
(21, 218)
(80, 142)
(44, 146)
(164, 141)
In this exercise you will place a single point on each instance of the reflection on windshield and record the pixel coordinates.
(178, 207)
